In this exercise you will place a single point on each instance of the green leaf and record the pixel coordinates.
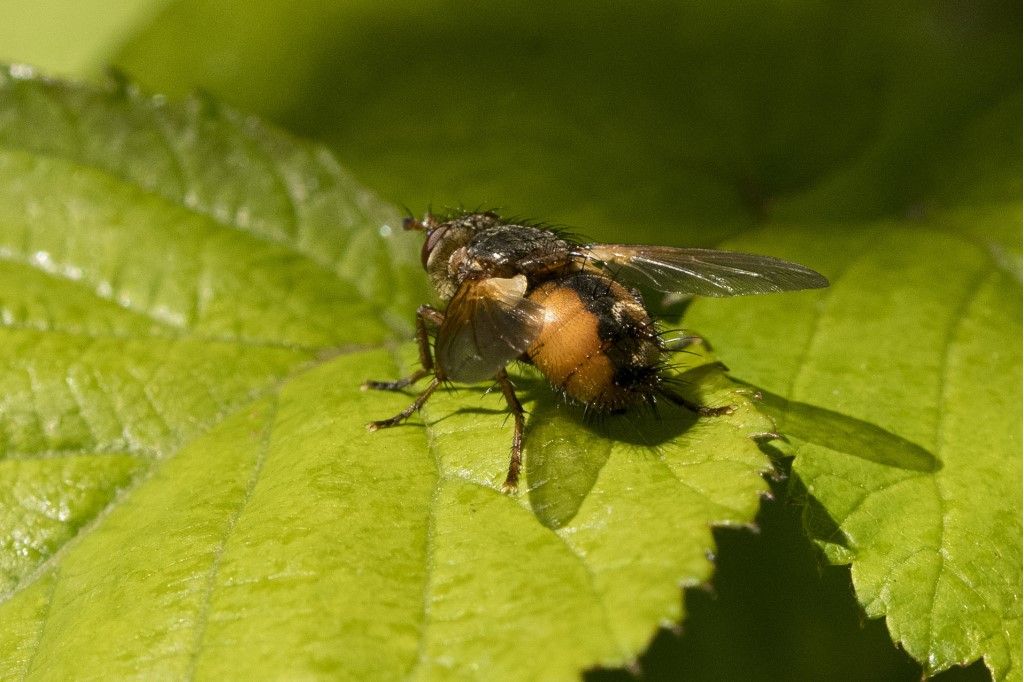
(903, 387)
(190, 303)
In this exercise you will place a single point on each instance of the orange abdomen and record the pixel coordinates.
(598, 345)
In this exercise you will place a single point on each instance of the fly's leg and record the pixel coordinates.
(407, 412)
(424, 314)
(681, 342)
(516, 457)
(696, 408)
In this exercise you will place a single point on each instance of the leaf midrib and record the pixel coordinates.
(209, 584)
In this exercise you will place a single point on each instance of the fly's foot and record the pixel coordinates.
(705, 411)
(407, 412)
(397, 384)
(383, 424)
(372, 385)
(511, 485)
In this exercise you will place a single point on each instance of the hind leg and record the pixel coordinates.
(516, 454)
(696, 408)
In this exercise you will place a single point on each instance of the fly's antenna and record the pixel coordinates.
(409, 222)
(409, 217)
(427, 224)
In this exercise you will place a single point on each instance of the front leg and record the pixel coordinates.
(407, 412)
(424, 314)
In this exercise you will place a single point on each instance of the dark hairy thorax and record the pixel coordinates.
(509, 250)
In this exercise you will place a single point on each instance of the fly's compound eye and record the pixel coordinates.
(434, 238)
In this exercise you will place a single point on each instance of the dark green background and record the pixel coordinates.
(656, 121)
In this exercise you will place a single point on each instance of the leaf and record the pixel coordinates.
(918, 341)
(190, 302)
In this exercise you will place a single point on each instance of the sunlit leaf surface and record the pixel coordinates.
(904, 387)
(191, 301)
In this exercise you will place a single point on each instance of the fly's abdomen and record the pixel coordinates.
(598, 344)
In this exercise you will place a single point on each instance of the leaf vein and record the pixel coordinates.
(442, 478)
(75, 391)
(203, 617)
(660, 458)
(7, 255)
(429, 556)
(173, 336)
(819, 314)
(53, 559)
(161, 123)
(277, 175)
(78, 452)
(44, 621)
(942, 400)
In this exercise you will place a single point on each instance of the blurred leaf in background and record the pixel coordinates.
(70, 38)
(661, 120)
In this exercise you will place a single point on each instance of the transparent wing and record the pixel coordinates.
(488, 323)
(705, 272)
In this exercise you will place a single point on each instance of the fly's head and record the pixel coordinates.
(444, 246)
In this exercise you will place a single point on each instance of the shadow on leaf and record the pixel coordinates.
(817, 522)
(567, 445)
(849, 435)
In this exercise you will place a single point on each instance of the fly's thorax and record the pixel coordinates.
(599, 345)
(507, 250)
